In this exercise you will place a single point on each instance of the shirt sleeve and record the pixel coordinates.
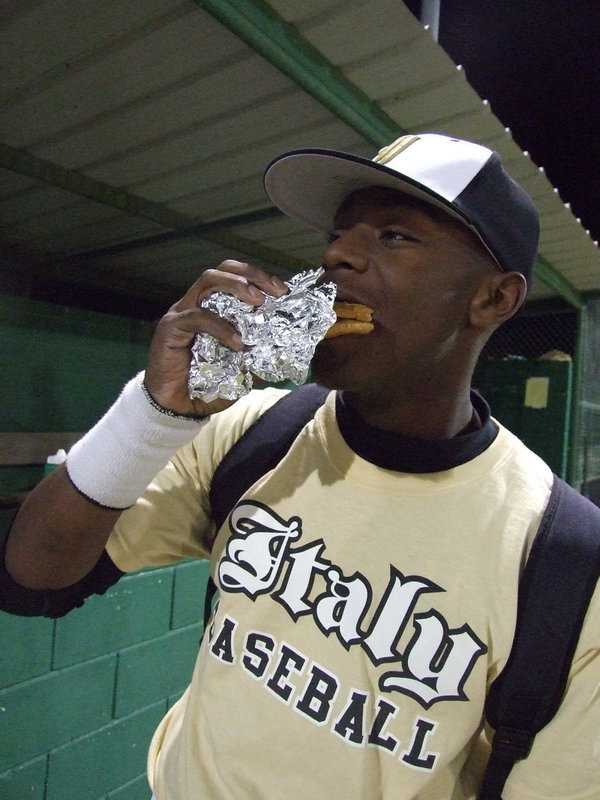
(172, 520)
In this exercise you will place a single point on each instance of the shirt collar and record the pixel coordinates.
(407, 454)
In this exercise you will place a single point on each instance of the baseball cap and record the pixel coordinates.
(464, 179)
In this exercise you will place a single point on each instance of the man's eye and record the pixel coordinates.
(332, 236)
(393, 236)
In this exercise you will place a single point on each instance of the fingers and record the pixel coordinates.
(247, 283)
(178, 328)
(242, 280)
(169, 359)
(267, 283)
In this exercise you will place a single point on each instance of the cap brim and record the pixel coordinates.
(310, 185)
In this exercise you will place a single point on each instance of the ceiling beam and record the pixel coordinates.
(268, 33)
(195, 232)
(79, 184)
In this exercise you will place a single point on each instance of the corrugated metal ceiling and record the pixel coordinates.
(133, 136)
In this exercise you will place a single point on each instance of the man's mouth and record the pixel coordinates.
(351, 318)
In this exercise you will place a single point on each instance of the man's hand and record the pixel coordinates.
(59, 534)
(170, 352)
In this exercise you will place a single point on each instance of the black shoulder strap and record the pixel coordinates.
(554, 593)
(260, 449)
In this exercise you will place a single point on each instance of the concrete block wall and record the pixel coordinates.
(81, 696)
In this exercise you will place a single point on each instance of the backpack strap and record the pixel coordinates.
(554, 592)
(258, 451)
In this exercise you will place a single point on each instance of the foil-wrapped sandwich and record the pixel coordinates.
(280, 338)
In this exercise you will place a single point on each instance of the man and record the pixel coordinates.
(368, 585)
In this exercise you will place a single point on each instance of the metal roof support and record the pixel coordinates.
(260, 26)
(576, 448)
(554, 280)
(199, 231)
(77, 183)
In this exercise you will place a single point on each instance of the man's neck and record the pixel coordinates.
(422, 418)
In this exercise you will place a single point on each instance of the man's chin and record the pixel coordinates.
(334, 369)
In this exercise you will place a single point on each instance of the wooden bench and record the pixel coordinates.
(30, 449)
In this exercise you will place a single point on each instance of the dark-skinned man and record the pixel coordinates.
(368, 584)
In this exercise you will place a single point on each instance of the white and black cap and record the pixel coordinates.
(462, 178)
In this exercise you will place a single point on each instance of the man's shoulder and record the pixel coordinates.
(225, 428)
(519, 449)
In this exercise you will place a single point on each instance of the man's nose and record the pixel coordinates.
(349, 248)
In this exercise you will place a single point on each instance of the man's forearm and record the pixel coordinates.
(58, 535)
(61, 530)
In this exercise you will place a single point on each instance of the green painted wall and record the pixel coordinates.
(81, 696)
(540, 418)
(60, 369)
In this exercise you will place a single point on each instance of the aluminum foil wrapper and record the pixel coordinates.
(280, 338)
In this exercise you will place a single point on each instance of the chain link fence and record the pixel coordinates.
(588, 460)
(533, 335)
(536, 352)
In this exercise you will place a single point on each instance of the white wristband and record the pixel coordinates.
(117, 459)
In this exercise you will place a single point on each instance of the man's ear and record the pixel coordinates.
(498, 299)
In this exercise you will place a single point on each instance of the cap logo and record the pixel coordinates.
(391, 150)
